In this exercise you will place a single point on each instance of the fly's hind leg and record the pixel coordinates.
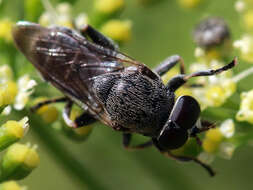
(189, 158)
(98, 38)
(169, 63)
(81, 121)
(127, 139)
(46, 102)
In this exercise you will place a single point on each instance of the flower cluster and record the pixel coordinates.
(215, 91)
(105, 17)
(14, 93)
(217, 141)
(18, 160)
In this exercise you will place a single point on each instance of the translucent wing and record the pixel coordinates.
(70, 62)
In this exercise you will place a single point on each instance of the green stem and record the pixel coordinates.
(61, 154)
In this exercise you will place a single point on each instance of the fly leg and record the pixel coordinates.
(169, 63)
(127, 139)
(204, 126)
(46, 102)
(98, 38)
(81, 121)
(179, 80)
(189, 158)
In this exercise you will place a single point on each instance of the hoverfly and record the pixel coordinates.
(113, 88)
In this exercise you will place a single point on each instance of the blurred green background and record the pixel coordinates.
(158, 31)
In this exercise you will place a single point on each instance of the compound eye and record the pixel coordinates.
(185, 112)
(172, 137)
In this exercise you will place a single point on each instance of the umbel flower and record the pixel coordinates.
(12, 92)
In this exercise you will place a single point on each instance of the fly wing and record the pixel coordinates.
(70, 62)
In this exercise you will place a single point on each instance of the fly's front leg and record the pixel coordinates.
(46, 102)
(189, 158)
(98, 38)
(179, 80)
(81, 121)
(169, 63)
(127, 139)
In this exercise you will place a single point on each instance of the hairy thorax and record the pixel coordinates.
(135, 102)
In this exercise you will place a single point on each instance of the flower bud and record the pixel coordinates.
(18, 162)
(12, 131)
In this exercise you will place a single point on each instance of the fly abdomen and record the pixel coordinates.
(136, 103)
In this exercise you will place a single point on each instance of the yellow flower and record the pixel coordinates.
(5, 29)
(214, 135)
(212, 140)
(12, 131)
(118, 30)
(215, 139)
(109, 6)
(10, 185)
(18, 162)
(8, 92)
(215, 95)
